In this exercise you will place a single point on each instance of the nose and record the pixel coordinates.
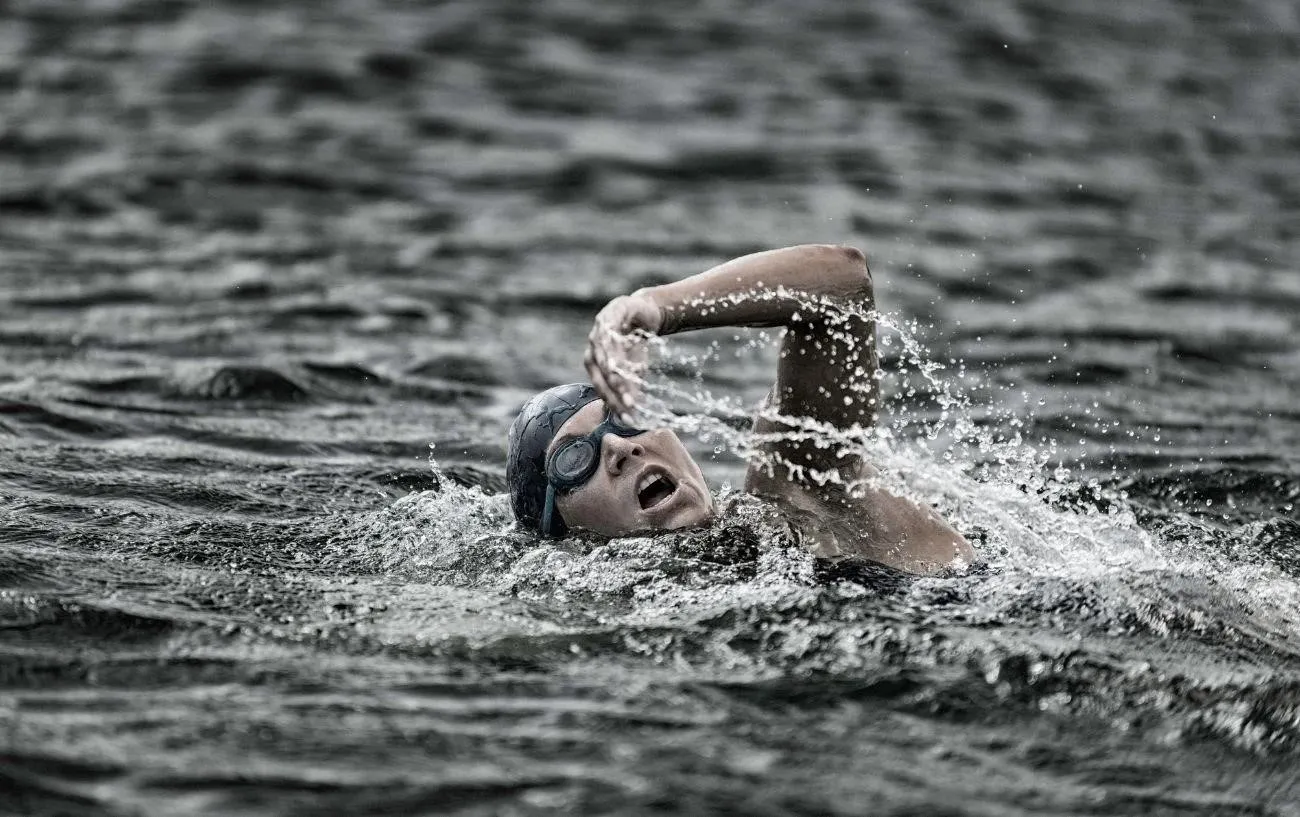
(617, 452)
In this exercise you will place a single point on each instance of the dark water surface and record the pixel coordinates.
(257, 257)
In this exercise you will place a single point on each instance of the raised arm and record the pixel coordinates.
(827, 375)
(820, 293)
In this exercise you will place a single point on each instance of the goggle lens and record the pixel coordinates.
(573, 461)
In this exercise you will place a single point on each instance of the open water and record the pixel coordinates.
(257, 258)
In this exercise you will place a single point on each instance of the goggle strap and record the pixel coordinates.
(548, 509)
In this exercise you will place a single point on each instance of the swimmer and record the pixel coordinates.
(576, 461)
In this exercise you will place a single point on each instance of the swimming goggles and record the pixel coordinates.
(573, 462)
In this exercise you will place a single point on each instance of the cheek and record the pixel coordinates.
(688, 463)
(669, 447)
(593, 507)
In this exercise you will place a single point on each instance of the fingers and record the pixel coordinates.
(618, 392)
(600, 372)
(607, 394)
(615, 356)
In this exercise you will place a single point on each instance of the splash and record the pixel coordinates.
(1080, 608)
(971, 461)
(1057, 548)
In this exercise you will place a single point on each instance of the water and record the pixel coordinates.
(257, 260)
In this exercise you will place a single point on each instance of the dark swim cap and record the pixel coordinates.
(530, 435)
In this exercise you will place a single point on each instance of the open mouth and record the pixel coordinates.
(653, 489)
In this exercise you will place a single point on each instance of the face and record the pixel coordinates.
(643, 483)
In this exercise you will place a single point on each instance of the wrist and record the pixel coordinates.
(671, 315)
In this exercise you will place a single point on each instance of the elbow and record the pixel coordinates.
(853, 255)
(852, 274)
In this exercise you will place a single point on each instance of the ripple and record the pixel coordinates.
(243, 382)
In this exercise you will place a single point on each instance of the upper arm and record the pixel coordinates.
(827, 372)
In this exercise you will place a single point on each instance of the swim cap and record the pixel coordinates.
(530, 435)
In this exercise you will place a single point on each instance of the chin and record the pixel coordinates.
(694, 516)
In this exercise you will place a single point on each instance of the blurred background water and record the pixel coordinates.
(257, 258)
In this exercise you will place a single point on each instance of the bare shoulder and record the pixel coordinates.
(873, 524)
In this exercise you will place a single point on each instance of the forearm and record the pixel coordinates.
(763, 289)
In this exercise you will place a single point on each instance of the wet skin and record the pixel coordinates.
(643, 483)
(824, 298)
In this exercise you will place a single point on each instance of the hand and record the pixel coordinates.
(616, 350)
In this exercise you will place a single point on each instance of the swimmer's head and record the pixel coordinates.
(572, 464)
